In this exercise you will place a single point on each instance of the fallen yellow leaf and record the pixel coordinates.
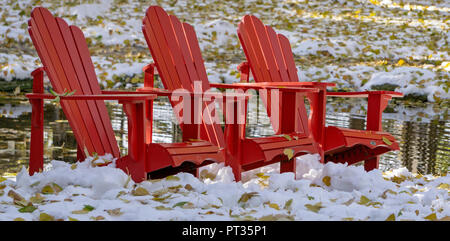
(391, 218)
(387, 141)
(400, 62)
(172, 178)
(274, 206)
(246, 196)
(46, 217)
(431, 217)
(289, 153)
(140, 191)
(314, 208)
(444, 186)
(363, 200)
(114, 212)
(326, 180)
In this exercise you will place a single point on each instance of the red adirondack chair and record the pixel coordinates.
(175, 50)
(64, 53)
(271, 62)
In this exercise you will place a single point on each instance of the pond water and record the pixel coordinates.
(423, 133)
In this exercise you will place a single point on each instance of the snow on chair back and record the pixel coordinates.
(271, 60)
(65, 56)
(175, 50)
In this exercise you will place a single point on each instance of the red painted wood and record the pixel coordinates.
(44, 54)
(63, 67)
(273, 52)
(179, 63)
(175, 50)
(77, 81)
(144, 90)
(63, 76)
(80, 154)
(124, 97)
(63, 51)
(210, 131)
(277, 53)
(164, 156)
(136, 138)
(196, 55)
(244, 69)
(166, 69)
(288, 58)
(149, 75)
(363, 94)
(37, 125)
(262, 86)
(192, 143)
(243, 35)
(235, 134)
(293, 84)
(266, 48)
(255, 39)
(95, 87)
(376, 104)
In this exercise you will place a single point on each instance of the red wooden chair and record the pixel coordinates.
(176, 52)
(65, 56)
(271, 62)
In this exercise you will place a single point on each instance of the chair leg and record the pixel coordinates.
(375, 107)
(371, 163)
(288, 166)
(235, 165)
(135, 163)
(235, 134)
(80, 154)
(194, 172)
(37, 137)
(37, 124)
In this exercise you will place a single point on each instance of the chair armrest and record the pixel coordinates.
(124, 97)
(299, 84)
(364, 94)
(259, 86)
(156, 91)
(377, 102)
(149, 74)
(244, 69)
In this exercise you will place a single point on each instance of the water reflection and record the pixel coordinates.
(424, 133)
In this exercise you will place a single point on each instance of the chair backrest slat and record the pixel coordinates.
(271, 60)
(177, 56)
(91, 76)
(270, 54)
(63, 52)
(278, 53)
(288, 58)
(266, 51)
(197, 58)
(253, 51)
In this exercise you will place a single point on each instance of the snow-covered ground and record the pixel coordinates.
(84, 191)
(357, 44)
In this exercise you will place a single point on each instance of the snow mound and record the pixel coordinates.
(89, 191)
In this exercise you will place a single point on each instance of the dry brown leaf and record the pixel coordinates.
(140, 191)
(114, 212)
